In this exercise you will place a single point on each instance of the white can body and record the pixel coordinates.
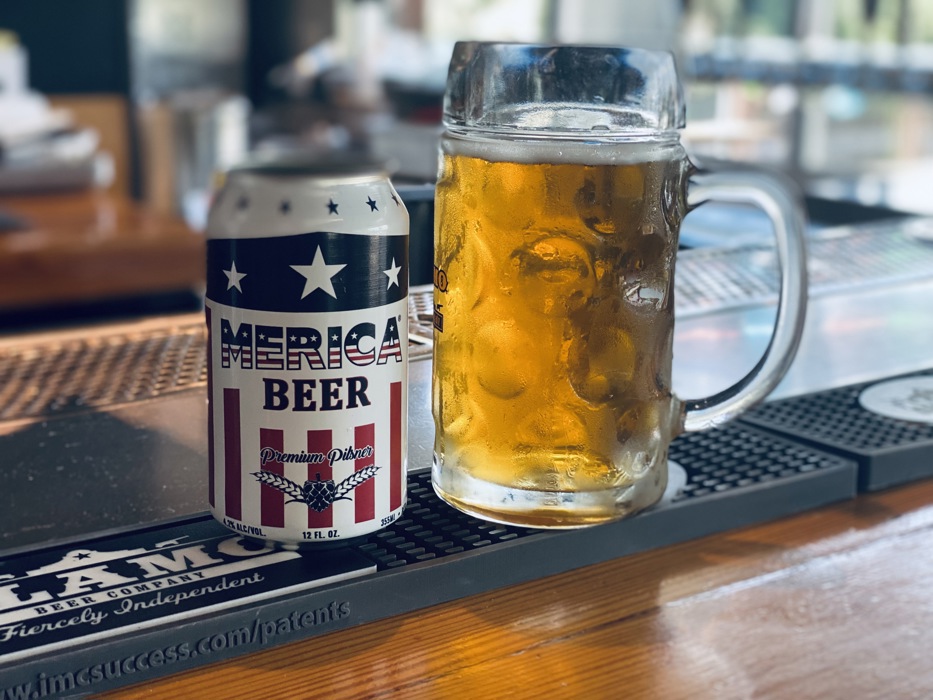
(307, 315)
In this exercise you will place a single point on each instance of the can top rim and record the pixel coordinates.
(346, 163)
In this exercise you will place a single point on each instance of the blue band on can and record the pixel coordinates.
(311, 272)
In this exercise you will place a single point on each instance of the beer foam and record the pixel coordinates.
(534, 151)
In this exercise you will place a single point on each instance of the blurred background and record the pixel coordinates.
(837, 92)
(135, 105)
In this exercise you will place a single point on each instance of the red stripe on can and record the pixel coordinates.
(364, 495)
(233, 504)
(320, 442)
(210, 410)
(271, 500)
(396, 464)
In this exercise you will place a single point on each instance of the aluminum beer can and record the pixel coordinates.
(307, 316)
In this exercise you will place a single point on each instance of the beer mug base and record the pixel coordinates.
(552, 510)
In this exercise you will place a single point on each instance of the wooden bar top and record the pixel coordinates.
(93, 246)
(833, 603)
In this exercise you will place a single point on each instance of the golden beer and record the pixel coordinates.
(554, 315)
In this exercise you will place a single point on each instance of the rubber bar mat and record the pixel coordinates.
(116, 610)
(888, 450)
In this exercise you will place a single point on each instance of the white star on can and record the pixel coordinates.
(234, 277)
(318, 274)
(392, 274)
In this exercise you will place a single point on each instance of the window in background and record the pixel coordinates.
(489, 20)
(177, 45)
(918, 34)
(650, 25)
(852, 31)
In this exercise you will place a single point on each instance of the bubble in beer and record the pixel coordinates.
(640, 463)
(500, 358)
(610, 200)
(555, 275)
(636, 418)
(645, 447)
(556, 427)
(476, 458)
(650, 249)
(463, 422)
(509, 194)
(470, 272)
(602, 363)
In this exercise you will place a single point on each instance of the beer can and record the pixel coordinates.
(307, 316)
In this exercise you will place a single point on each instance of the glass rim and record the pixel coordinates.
(562, 89)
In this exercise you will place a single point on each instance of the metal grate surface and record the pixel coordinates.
(711, 279)
(51, 375)
(889, 451)
(421, 320)
(57, 376)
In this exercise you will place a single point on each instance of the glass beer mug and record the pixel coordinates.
(561, 191)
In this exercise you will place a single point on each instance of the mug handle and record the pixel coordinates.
(787, 216)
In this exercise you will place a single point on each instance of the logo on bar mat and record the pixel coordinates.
(56, 598)
(909, 399)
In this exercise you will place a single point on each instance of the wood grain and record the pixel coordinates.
(93, 246)
(834, 603)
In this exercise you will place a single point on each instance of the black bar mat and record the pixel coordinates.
(889, 451)
(111, 611)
